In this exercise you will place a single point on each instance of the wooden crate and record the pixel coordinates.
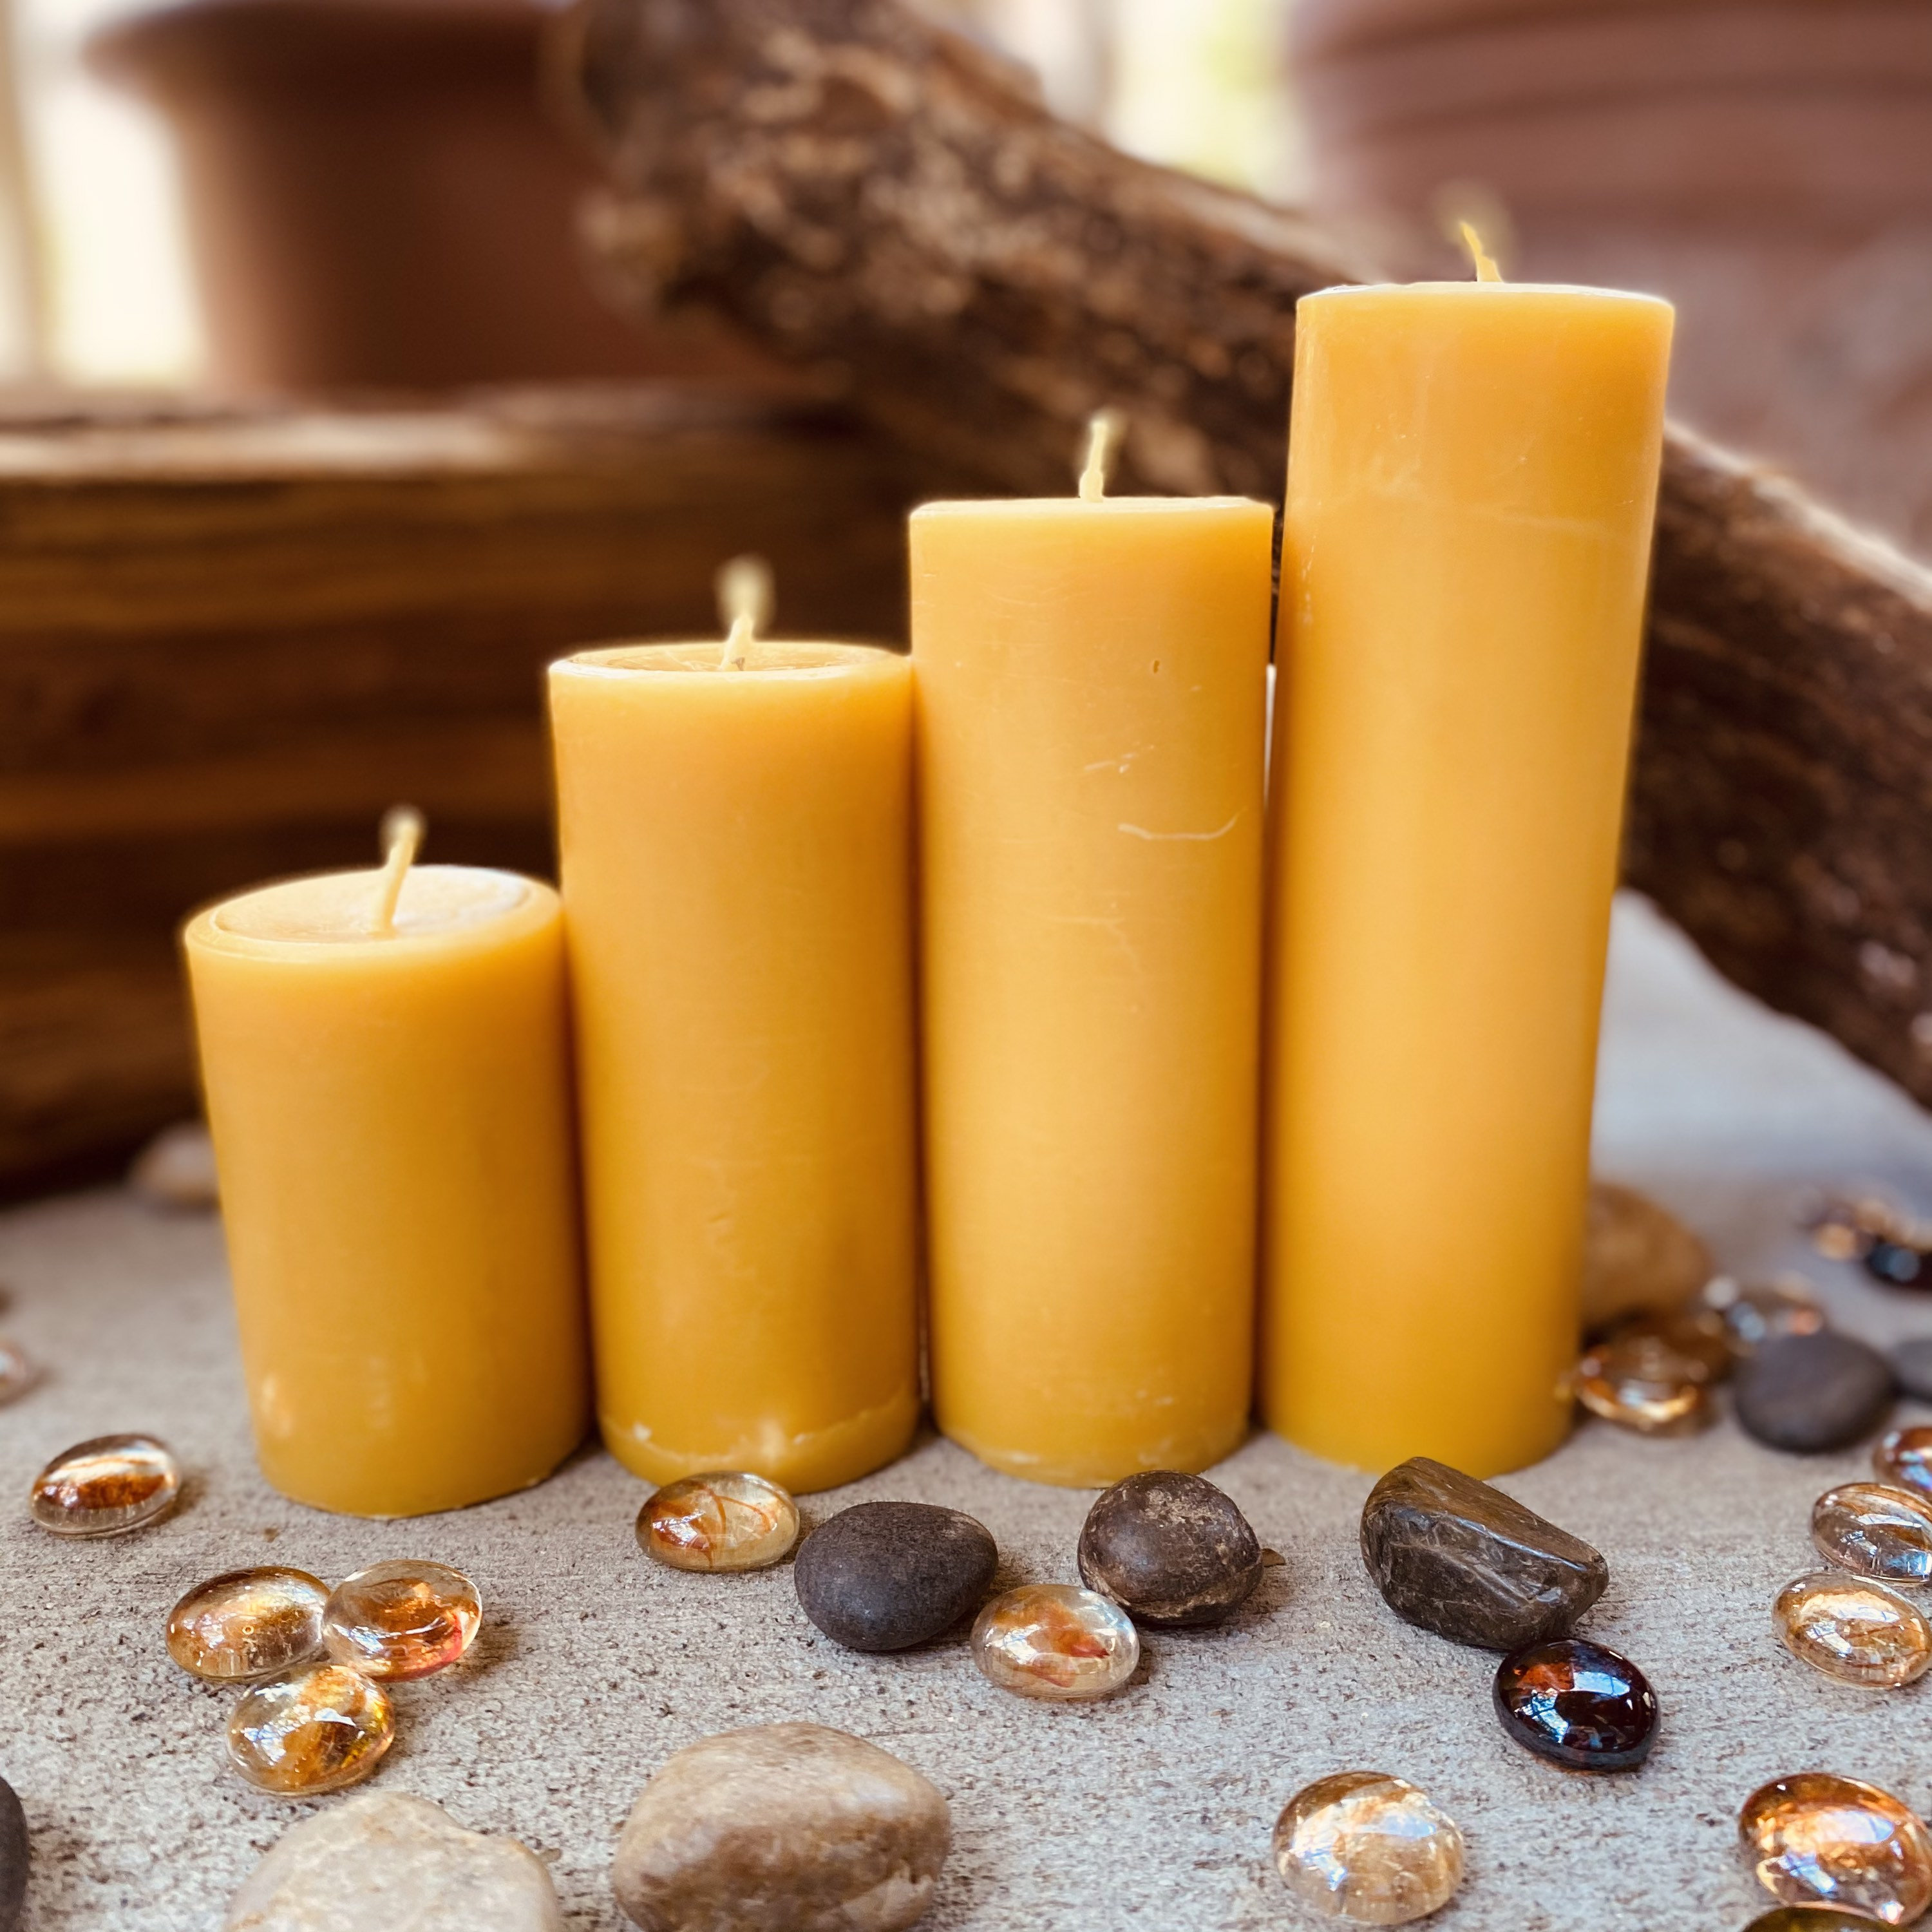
(228, 641)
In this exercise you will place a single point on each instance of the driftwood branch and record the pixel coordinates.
(878, 198)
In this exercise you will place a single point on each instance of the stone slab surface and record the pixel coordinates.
(1152, 1810)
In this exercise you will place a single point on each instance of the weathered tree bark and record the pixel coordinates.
(875, 196)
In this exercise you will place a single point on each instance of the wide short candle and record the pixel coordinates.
(1472, 475)
(1090, 685)
(390, 1105)
(736, 849)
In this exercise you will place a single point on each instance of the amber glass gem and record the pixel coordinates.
(1577, 1704)
(397, 1621)
(314, 1730)
(1853, 1629)
(1875, 1530)
(1366, 1846)
(1816, 1838)
(1640, 1381)
(248, 1623)
(1844, 1230)
(1055, 1641)
(1753, 1315)
(1694, 1331)
(1904, 1459)
(18, 1371)
(1810, 1918)
(106, 1487)
(729, 1519)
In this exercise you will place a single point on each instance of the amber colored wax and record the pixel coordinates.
(391, 1121)
(1472, 477)
(737, 883)
(1090, 680)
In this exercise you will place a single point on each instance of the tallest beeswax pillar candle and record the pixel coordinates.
(1091, 677)
(1472, 475)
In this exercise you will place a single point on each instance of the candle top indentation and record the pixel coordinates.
(758, 658)
(334, 908)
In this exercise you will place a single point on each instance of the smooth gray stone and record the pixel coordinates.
(1911, 1363)
(782, 1827)
(1458, 1557)
(883, 1576)
(12, 1857)
(1811, 1393)
(1172, 1550)
(385, 1860)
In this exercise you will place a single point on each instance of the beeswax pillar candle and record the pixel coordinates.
(1472, 476)
(1090, 677)
(385, 1066)
(736, 850)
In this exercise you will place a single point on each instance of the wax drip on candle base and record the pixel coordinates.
(402, 837)
(1105, 429)
(744, 603)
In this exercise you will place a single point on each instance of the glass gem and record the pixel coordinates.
(248, 1623)
(1903, 1460)
(1056, 1641)
(18, 1371)
(1639, 1382)
(1814, 1838)
(728, 1520)
(1577, 1704)
(106, 1486)
(399, 1620)
(1810, 1918)
(1898, 1264)
(1366, 1846)
(1874, 1530)
(1842, 1230)
(1853, 1629)
(1753, 1315)
(315, 1730)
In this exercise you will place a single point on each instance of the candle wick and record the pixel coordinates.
(1486, 270)
(744, 603)
(1104, 428)
(402, 837)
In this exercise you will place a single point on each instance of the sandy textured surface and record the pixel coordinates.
(1153, 1809)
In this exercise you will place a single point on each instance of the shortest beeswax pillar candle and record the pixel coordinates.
(1091, 679)
(389, 1099)
(737, 862)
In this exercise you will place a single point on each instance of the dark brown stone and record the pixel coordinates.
(12, 1857)
(1578, 1705)
(1461, 1558)
(884, 1576)
(1171, 1549)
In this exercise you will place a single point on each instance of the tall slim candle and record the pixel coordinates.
(385, 1062)
(1090, 676)
(1472, 477)
(735, 829)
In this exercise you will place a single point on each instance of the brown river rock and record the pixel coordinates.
(782, 1827)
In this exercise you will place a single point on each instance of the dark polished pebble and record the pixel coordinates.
(881, 1576)
(1897, 1265)
(1171, 1549)
(1911, 1363)
(1462, 1559)
(1811, 1919)
(1810, 1393)
(1578, 1705)
(12, 1857)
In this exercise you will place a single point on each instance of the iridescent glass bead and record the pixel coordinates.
(1693, 1331)
(1903, 1459)
(1853, 1629)
(1640, 1382)
(1366, 1846)
(1755, 1314)
(1843, 1230)
(312, 1731)
(1874, 1530)
(1576, 1704)
(1055, 1641)
(248, 1623)
(106, 1486)
(1816, 1838)
(728, 1520)
(397, 1621)
(19, 1372)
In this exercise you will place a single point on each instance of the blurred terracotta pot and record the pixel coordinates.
(1766, 163)
(377, 198)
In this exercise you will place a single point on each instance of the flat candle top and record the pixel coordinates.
(761, 657)
(1081, 506)
(338, 908)
(1363, 292)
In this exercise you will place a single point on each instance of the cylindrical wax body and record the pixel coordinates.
(737, 881)
(1090, 681)
(1472, 478)
(392, 1128)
